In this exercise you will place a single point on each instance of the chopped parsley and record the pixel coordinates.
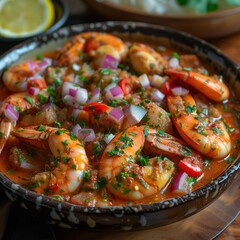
(29, 99)
(74, 166)
(57, 82)
(21, 158)
(115, 152)
(101, 183)
(145, 131)
(73, 137)
(126, 191)
(86, 176)
(41, 128)
(65, 142)
(83, 79)
(191, 109)
(216, 130)
(42, 98)
(175, 55)
(60, 131)
(191, 180)
(105, 71)
(230, 159)
(161, 133)
(143, 160)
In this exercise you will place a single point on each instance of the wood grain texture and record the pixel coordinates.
(231, 47)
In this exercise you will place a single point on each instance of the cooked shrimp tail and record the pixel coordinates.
(208, 137)
(213, 88)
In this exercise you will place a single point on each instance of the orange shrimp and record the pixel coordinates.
(214, 89)
(70, 159)
(145, 59)
(206, 136)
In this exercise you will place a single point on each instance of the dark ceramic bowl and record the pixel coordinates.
(61, 15)
(138, 216)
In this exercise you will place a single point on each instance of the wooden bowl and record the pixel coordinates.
(211, 25)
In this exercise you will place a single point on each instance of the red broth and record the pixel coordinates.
(99, 62)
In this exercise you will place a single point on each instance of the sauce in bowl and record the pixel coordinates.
(104, 121)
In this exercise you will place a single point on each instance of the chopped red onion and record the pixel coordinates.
(180, 183)
(72, 92)
(75, 113)
(67, 86)
(75, 129)
(71, 101)
(108, 138)
(109, 62)
(96, 91)
(157, 81)
(45, 63)
(114, 93)
(81, 96)
(143, 79)
(179, 91)
(108, 87)
(11, 113)
(33, 90)
(116, 113)
(32, 65)
(47, 106)
(23, 86)
(95, 96)
(157, 96)
(173, 63)
(135, 114)
(86, 134)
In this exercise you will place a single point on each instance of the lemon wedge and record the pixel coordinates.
(21, 18)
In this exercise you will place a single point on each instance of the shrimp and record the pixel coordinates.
(126, 179)
(22, 102)
(71, 51)
(67, 167)
(213, 88)
(15, 78)
(95, 45)
(206, 136)
(47, 116)
(5, 130)
(145, 59)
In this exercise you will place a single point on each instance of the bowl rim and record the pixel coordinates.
(56, 25)
(121, 8)
(31, 196)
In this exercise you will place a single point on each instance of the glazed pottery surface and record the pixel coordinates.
(133, 217)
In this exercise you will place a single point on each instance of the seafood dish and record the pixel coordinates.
(106, 121)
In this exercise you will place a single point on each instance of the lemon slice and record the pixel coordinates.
(21, 18)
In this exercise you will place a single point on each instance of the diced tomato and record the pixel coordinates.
(192, 166)
(37, 83)
(166, 87)
(125, 85)
(91, 44)
(54, 188)
(96, 107)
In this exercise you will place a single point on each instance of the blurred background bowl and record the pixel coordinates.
(61, 15)
(210, 25)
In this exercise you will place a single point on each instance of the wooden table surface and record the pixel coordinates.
(230, 45)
